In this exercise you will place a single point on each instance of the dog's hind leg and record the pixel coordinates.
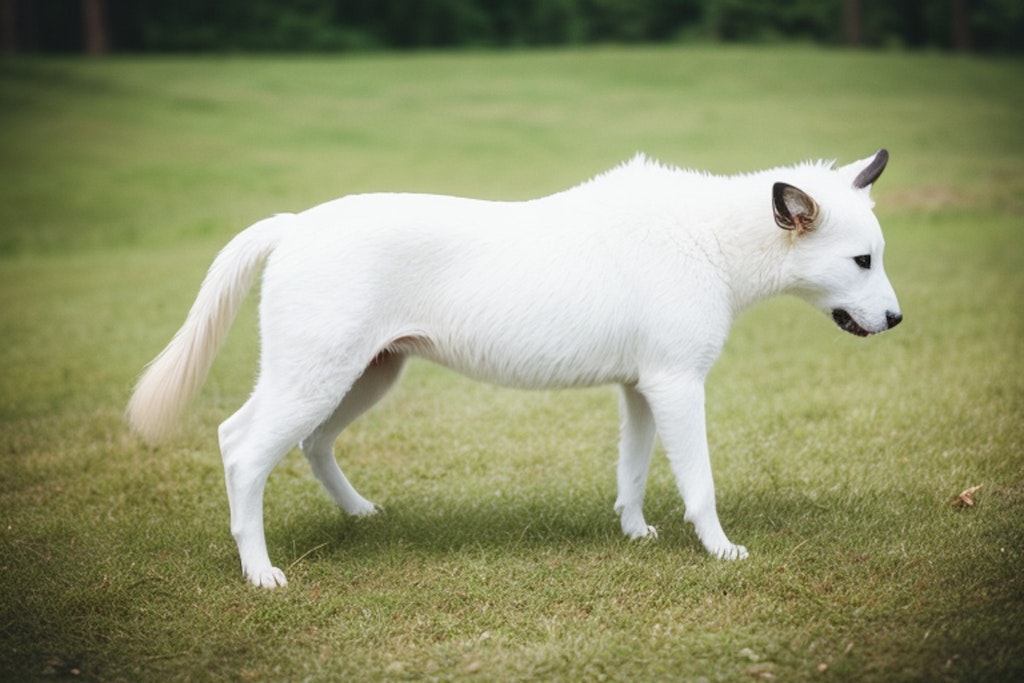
(253, 441)
(677, 403)
(636, 444)
(318, 447)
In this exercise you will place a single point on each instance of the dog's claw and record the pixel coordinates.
(271, 577)
(731, 552)
(645, 533)
(367, 510)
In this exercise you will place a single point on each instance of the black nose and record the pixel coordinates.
(893, 319)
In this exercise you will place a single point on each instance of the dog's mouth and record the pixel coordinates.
(847, 323)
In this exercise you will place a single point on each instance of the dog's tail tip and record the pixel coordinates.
(151, 433)
(154, 408)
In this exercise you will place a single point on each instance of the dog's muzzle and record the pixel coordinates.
(846, 322)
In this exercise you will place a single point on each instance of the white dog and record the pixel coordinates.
(633, 277)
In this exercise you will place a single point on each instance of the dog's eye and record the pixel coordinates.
(863, 261)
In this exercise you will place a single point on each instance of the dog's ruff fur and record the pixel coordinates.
(633, 277)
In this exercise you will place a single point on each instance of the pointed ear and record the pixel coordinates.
(794, 209)
(865, 172)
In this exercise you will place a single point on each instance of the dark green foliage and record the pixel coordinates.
(333, 25)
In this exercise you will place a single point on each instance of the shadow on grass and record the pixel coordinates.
(770, 522)
(440, 527)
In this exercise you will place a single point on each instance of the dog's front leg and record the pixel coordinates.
(636, 444)
(677, 403)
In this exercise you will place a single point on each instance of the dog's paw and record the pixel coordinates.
(370, 511)
(641, 532)
(271, 577)
(633, 524)
(730, 552)
(363, 508)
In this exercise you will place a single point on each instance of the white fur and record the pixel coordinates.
(633, 277)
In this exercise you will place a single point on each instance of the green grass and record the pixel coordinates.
(499, 557)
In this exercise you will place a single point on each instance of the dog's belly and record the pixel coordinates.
(526, 363)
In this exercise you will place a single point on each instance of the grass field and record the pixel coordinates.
(499, 556)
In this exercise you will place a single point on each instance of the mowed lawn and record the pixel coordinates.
(499, 556)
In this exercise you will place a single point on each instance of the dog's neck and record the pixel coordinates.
(727, 220)
(739, 236)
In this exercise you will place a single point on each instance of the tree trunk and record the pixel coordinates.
(962, 39)
(8, 26)
(853, 26)
(94, 27)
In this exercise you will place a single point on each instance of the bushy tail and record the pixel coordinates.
(173, 377)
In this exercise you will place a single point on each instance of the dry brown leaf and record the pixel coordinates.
(966, 497)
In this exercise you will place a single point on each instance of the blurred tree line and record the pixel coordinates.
(99, 26)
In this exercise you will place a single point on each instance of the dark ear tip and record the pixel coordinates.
(874, 169)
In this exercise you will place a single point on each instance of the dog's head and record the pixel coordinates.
(835, 260)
